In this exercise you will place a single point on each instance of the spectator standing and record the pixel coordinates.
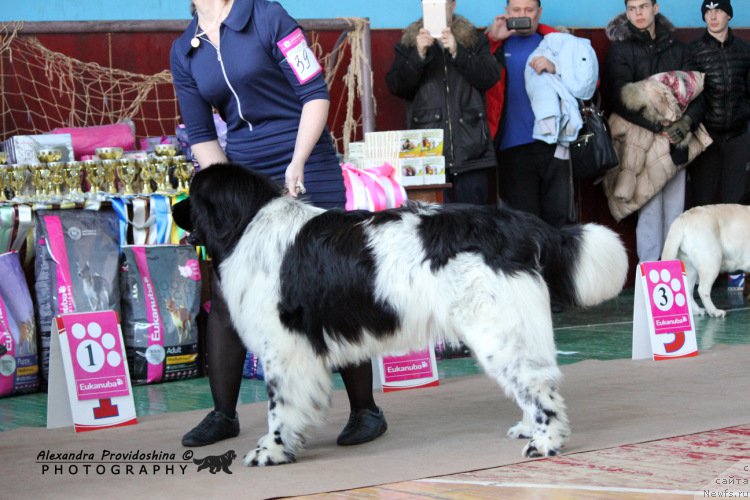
(531, 178)
(643, 45)
(444, 81)
(721, 173)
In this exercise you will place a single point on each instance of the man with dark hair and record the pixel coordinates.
(643, 45)
(531, 178)
(720, 174)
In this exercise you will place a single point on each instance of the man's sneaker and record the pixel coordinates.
(736, 282)
(363, 426)
(214, 427)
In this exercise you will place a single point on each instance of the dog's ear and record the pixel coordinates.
(181, 214)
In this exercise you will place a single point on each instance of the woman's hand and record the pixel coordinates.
(294, 179)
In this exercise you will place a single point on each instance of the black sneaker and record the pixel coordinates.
(214, 427)
(363, 426)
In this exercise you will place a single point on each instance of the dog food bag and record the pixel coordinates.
(77, 255)
(161, 290)
(19, 367)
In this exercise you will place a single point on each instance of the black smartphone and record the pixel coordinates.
(518, 23)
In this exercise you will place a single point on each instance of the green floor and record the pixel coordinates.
(603, 332)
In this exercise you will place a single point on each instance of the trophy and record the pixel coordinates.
(163, 185)
(56, 179)
(73, 171)
(48, 155)
(148, 173)
(109, 153)
(127, 173)
(94, 176)
(109, 167)
(165, 150)
(183, 170)
(3, 174)
(17, 181)
(3, 181)
(40, 180)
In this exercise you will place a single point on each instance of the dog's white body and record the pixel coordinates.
(308, 290)
(710, 239)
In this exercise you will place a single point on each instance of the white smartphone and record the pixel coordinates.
(434, 16)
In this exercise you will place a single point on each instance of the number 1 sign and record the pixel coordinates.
(662, 316)
(89, 381)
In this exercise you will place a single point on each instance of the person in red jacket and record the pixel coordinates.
(532, 179)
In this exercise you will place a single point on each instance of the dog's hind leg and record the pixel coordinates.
(692, 279)
(511, 336)
(706, 277)
(299, 395)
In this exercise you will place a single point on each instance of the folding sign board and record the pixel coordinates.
(662, 314)
(409, 371)
(89, 380)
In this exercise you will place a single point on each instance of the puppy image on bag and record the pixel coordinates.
(710, 239)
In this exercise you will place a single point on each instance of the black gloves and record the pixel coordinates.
(679, 129)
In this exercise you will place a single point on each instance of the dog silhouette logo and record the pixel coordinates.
(215, 463)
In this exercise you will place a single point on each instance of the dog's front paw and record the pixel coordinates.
(268, 453)
(535, 449)
(717, 313)
(699, 311)
(520, 431)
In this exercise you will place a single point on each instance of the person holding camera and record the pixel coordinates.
(444, 80)
(531, 178)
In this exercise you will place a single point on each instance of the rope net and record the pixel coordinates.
(41, 89)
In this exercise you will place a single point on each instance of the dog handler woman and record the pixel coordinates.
(249, 60)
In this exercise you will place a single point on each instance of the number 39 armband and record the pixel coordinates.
(299, 56)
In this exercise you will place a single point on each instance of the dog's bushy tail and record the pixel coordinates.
(674, 240)
(589, 266)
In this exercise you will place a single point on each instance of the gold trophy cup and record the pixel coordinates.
(57, 179)
(184, 171)
(48, 155)
(94, 176)
(72, 172)
(109, 153)
(17, 181)
(127, 173)
(4, 169)
(109, 167)
(148, 172)
(40, 179)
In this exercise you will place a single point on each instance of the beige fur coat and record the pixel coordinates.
(645, 163)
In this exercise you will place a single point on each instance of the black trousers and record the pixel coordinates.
(469, 187)
(533, 180)
(721, 173)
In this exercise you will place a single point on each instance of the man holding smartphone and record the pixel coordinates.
(531, 178)
(443, 79)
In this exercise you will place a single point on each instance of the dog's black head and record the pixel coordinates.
(223, 200)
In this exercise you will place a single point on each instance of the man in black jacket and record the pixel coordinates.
(444, 80)
(643, 45)
(720, 174)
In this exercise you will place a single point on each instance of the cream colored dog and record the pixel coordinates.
(710, 239)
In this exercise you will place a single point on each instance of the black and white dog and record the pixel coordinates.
(309, 289)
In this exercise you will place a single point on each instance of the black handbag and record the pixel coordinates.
(592, 153)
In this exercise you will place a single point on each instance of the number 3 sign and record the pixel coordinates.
(662, 317)
(89, 381)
